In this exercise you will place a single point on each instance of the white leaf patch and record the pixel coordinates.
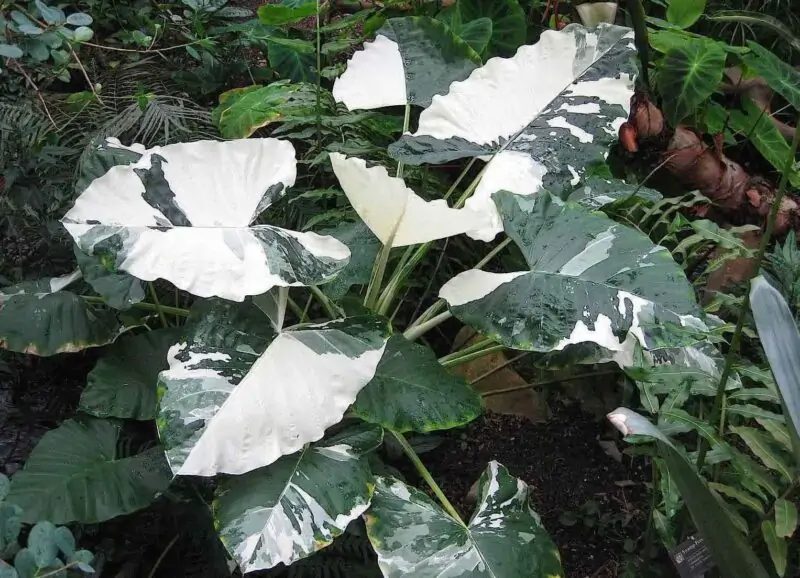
(547, 112)
(393, 212)
(299, 504)
(301, 385)
(380, 67)
(184, 213)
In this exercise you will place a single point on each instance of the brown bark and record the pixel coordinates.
(737, 194)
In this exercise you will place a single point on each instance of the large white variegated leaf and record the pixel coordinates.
(393, 212)
(590, 280)
(550, 113)
(185, 213)
(236, 397)
(411, 60)
(299, 504)
(504, 539)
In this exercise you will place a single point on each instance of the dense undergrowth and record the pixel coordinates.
(269, 222)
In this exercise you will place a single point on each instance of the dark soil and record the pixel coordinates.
(565, 468)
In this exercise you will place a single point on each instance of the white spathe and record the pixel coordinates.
(395, 213)
(290, 396)
(220, 188)
(505, 95)
(375, 77)
(592, 14)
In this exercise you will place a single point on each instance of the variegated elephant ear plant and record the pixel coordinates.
(285, 416)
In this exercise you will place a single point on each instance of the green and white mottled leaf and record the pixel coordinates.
(393, 212)
(688, 76)
(780, 76)
(761, 445)
(696, 369)
(39, 318)
(504, 539)
(299, 504)
(429, 398)
(778, 549)
(185, 213)
(595, 193)
(732, 554)
(781, 340)
(242, 111)
(591, 280)
(550, 113)
(76, 474)
(123, 384)
(411, 60)
(236, 397)
(509, 26)
(785, 518)
(364, 248)
(101, 156)
(765, 136)
(118, 289)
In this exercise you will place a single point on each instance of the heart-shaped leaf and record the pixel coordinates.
(504, 539)
(547, 115)
(242, 111)
(299, 504)
(229, 408)
(185, 213)
(590, 280)
(76, 474)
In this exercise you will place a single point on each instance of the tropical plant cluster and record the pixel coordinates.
(266, 223)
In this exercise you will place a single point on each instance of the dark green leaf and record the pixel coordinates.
(364, 247)
(75, 474)
(299, 504)
(429, 398)
(118, 289)
(38, 318)
(124, 382)
(781, 77)
(688, 76)
(777, 546)
(785, 518)
(507, 17)
(291, 59)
